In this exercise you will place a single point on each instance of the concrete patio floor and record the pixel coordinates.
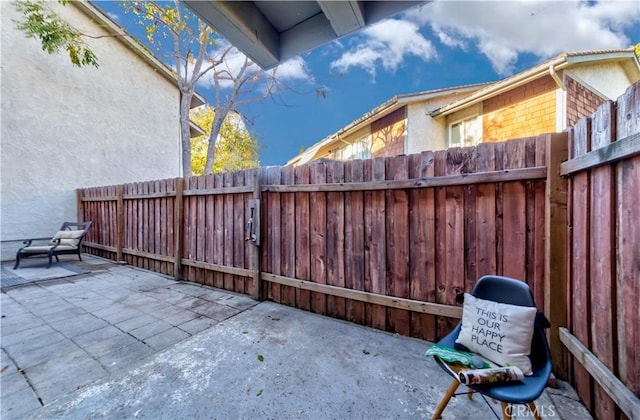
(121, 342)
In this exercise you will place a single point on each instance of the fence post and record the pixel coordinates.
(255, 255)
(119, 222)
(178, 214)
(80, 205)
(555, 260)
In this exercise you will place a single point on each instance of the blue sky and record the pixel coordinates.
(436, 45)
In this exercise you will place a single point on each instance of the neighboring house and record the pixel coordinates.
(65, 127)
(546, 98)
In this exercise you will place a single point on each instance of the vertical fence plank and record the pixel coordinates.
(422, 250)
(255, 250)
(397, 227)
(456, 161)
(470, 237)
(539, 226)
(580, 274)
(554, 279)
(602, 256)
(336, 306)
(163, 226)
(178, 229)
(239, 206)
(302, 232)
(275, 229)
(486, 213)
(200, 229)
(514, 216)
(157, 226)
(218, 237)
(288, 238)
(441, 232)
(628, 238)
(227, 180)
(120, 214)
(354, 241)
(209, 229)
(378, 244)
(170, 224)
(318, 222)
(147, 226)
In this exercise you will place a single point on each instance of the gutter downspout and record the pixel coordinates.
(561, 99)
(555, 77)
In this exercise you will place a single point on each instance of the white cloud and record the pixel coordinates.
(294, 69)
(114, 16)
(503, 30)
(385, 44)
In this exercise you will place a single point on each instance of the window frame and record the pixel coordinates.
(464, 122)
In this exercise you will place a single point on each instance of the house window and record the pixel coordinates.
(359, 149)
(465, 133)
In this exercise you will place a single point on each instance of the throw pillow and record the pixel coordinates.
(497, 331)
(68, 237)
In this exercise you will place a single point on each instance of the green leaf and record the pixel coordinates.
(261, 358)
(259, 393)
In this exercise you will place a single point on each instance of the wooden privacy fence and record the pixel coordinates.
(385, 242)
(603, 310)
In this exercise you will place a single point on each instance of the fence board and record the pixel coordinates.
(486, 214)
(470, 239)
(455, 228)
(318, 222)
(227, 181)
(628, 238)
(421, 251)
(303, 230)
(171, 228)
(288, 238)
(275, 232)
(514, 229)
(209, 228)
(397, 226)
(354, 241)
(218, 231)
(579, 272)
(378, 244)
(602, 257)
(335, 240)
(539, 220)
(239, 223)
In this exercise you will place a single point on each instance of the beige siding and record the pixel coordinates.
(525, 111)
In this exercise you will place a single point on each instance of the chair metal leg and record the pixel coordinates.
(17, 260)
(506, 411)
(534, 410)
(50, 260)
(470, 393)
(445, 400)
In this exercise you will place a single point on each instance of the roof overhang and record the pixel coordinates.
(271, 32)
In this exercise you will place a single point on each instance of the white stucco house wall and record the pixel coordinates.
(64, 127)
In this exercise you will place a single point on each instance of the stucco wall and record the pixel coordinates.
(425, 132)
(608, 79)
(63, 128)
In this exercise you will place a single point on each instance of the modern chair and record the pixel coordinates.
(513, 292)
(67, 240)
